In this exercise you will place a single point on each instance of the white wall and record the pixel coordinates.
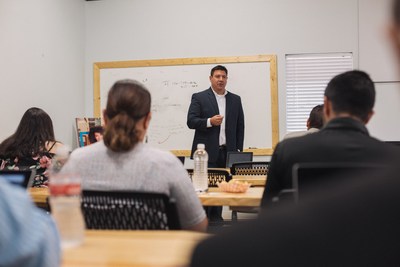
(378, 59)
(47, 47)
(133, 29)
(375, 49)
(42, 62)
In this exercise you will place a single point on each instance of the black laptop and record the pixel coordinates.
(18, 177)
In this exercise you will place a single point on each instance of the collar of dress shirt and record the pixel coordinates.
(217, 95)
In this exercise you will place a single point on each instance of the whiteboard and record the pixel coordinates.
(172, 83)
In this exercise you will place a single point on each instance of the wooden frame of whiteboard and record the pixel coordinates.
(271, 59)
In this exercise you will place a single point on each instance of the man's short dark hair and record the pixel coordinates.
(352, 92)
(219, 67)
(316, 117)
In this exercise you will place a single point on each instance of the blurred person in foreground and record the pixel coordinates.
(28, 236)
(121, 161)
(314, 123)
(32, 146)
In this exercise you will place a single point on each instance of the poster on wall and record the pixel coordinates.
(89, 130)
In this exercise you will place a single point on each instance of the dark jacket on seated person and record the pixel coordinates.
(341, 140)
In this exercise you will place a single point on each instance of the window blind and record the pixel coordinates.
(306, 78)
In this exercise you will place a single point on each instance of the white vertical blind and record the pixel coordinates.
(306, 78)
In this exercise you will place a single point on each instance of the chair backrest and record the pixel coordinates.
(123, 210)
(182, 159)
(22, 178)
(214, 176)
(250, 168)
(234, 157)
(395, 143)
(309, 175)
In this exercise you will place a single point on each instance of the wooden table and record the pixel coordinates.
(133, 248)
(39, 195)
(254, 180)
(214, 197)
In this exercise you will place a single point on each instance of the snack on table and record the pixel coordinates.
(234, 186)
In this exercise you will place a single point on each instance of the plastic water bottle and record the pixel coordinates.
(200, 175)
(65, 203)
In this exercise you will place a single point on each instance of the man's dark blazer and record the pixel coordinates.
(341, 140)
(203, 106)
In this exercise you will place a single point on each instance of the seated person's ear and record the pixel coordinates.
(147, 121)
(105, 117)
(370, 114)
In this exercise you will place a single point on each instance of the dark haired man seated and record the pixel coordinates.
(348, 106)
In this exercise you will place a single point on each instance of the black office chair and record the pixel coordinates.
(308, 176)
(182, 159)
(214, 176)
(235, 157)
(123, 210)
(250, 168)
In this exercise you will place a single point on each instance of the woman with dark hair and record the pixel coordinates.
(123, 162)
(31, 146)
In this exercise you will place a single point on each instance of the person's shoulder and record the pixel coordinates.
(203, 93)
(233, 96)
(390, 150)
(53, 146)
(297, 144)
(38, 247)
(294, 134)
(312, 130)
(300, 133)
(90, 150)
(8, 191)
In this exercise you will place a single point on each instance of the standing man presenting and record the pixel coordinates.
(218, 119)
(217, 116)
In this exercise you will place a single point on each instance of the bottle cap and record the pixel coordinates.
(201, 146)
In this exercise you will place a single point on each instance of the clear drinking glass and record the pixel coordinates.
(65, 204)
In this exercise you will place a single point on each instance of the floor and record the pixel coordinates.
(227, 214)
